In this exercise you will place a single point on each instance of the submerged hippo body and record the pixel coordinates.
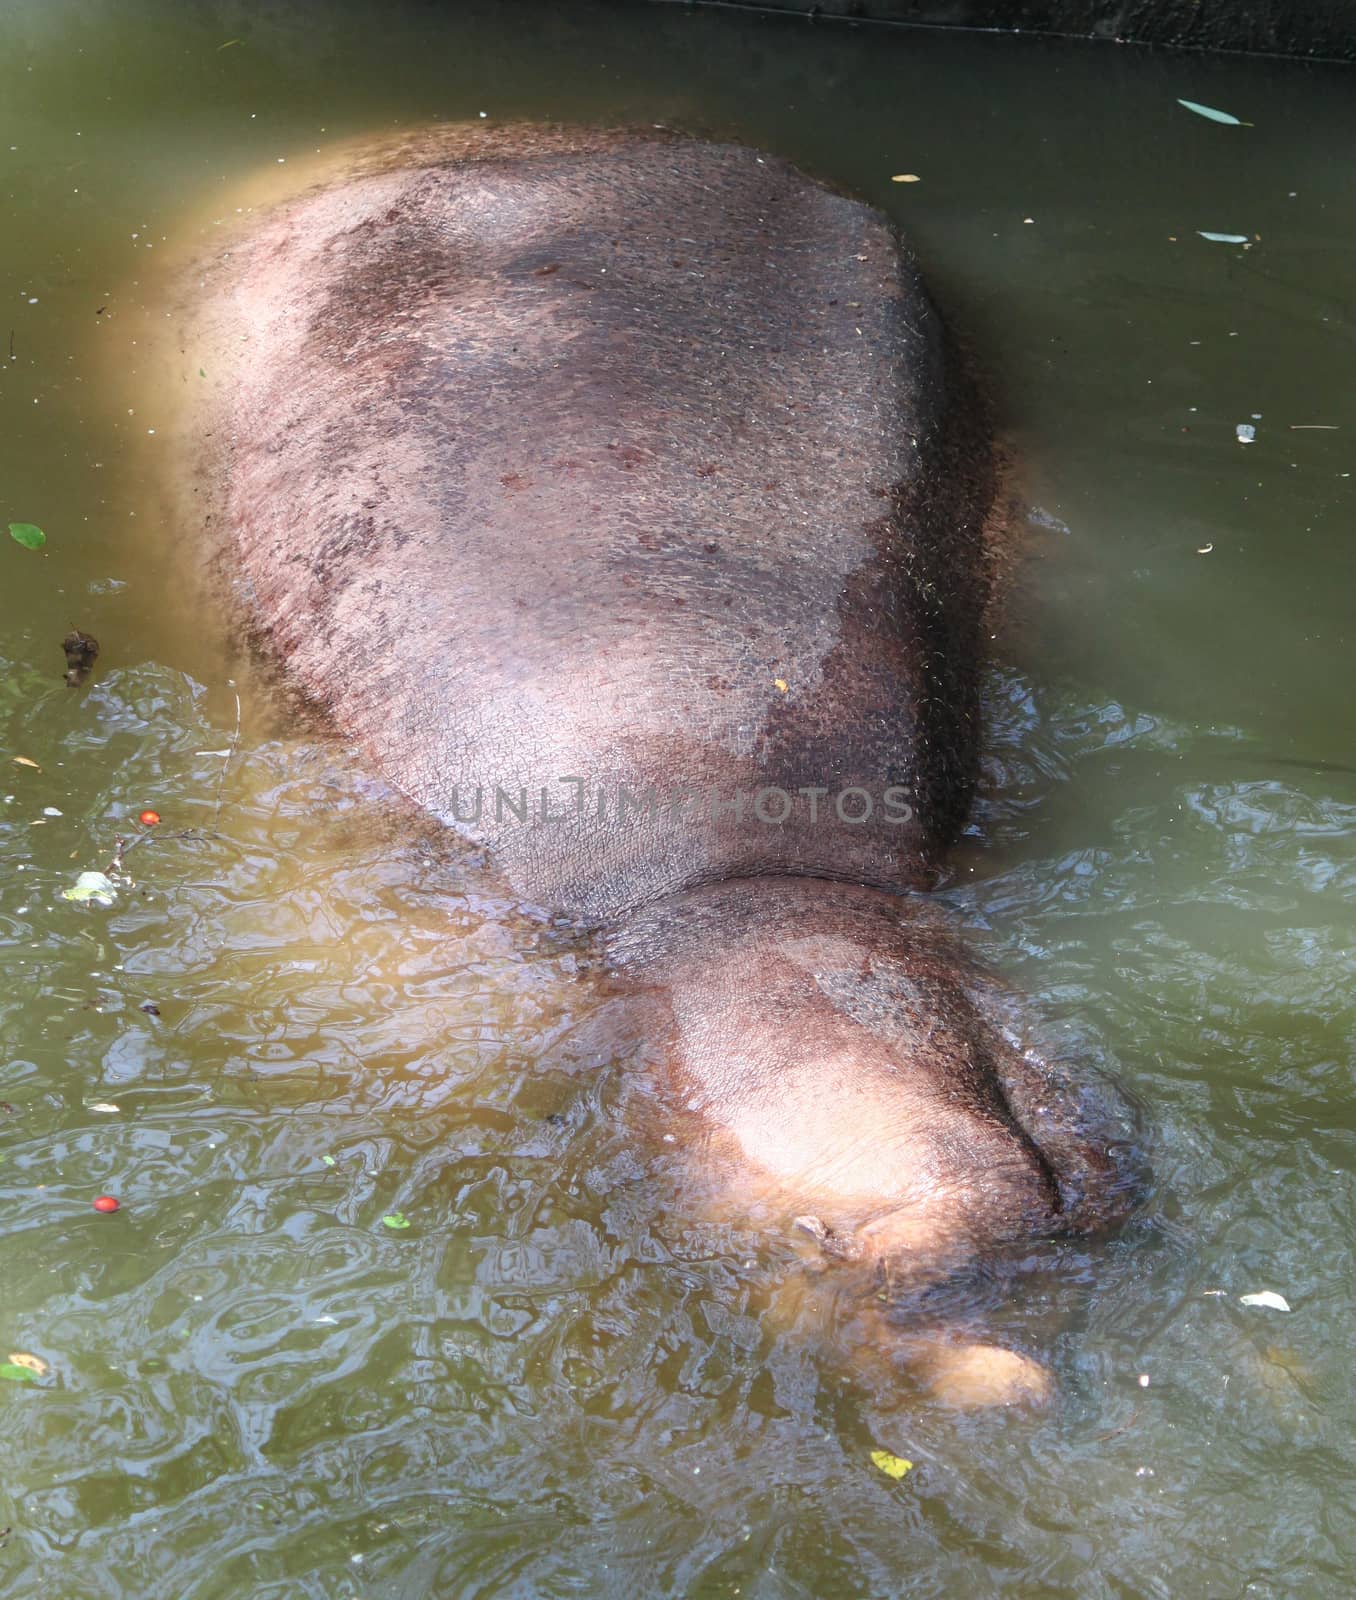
(615, 494)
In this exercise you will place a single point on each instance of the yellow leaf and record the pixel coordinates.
(23, 761)
(779, 684)
(906, 177)
(892, 1466)
(36, 1364)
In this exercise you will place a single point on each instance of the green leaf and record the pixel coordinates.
(92, 886)
(328, 1160)
(892, 1466)
(1213, 115)
(28, 534)
(17, 1374)
(396, 1219)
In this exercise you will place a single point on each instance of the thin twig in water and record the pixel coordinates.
(115, 860)
(225, 765)
(1111, 1433)
(123, 846)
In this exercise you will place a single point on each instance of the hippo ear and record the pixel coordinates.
(814, 1227)
(832, 1243)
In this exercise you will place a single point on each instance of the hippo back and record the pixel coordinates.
(613, 492)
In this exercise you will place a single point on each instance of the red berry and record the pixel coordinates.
(105, 1202)
(148, 819)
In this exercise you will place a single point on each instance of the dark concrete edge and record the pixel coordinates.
(1313, 30)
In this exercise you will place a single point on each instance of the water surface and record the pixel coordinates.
(557, 1381)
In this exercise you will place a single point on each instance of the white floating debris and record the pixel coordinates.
(50, 811)
(1272, 1301)
(1210, 112)
(105, 1106)
(1223, 238)
(1047, 519)
(92, 886)
(1245, 433)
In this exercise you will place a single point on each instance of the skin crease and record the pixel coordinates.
(539, 453)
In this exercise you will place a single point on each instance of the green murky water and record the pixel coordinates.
(555, 1381)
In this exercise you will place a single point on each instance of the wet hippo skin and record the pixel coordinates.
(618, 496)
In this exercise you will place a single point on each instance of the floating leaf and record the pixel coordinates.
(328, 1160)
(906, 177)
(92, 886)
(1213, 115)
(34, 1364)
(1223, 238)
(396, 1219)
(1267, 1298)
(105, 1106)
(28, 534)
(17, 1374)
(892, 1466)
(23, 761)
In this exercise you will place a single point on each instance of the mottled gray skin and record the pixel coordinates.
(628, 458)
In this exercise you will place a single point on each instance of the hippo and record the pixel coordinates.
(623, 499)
